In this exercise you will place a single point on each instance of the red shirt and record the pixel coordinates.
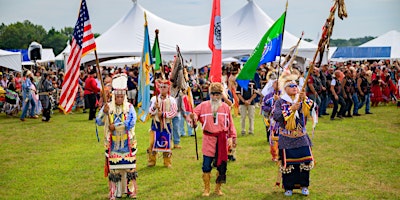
(91, 86)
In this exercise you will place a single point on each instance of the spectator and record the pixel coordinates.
(247, 106)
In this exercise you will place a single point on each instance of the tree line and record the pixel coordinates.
(346, 43)
(20, 34)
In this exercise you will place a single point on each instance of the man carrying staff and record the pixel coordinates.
(119, 119)
(163, 108)
(216, 119)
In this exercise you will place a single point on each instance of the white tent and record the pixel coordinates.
(121, 62)
(390, 39)
(47, 56)
(62, 55)
(241, 33)
(11, 60)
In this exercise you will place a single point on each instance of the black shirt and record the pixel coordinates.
(246, 94)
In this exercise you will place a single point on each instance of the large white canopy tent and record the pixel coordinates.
(241, 33)
(389, 39)
(121, 62)
(11, 60)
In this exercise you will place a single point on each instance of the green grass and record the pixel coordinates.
(356, 158)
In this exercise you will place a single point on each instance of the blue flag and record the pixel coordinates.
(266, 51)
(144, 77)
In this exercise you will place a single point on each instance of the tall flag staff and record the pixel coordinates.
(283, 33)
(82, 43)
(326, 34)
(323, 42)
(291, 56)
(156, 53)
(144, 76)
(214, 42)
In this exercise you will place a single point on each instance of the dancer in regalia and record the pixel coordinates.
(295, 156)
(163, 108)
(119, 119)
(271, 95)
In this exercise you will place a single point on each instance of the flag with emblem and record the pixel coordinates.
(82, 43)
(266, 51)
(214, 42)
(144, 76)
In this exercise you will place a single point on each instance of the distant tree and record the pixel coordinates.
(20, 35)
(67, 31)
(56, 40)
(350, 42)
(307, 39)
(2, 27)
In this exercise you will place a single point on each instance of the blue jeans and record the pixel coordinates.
(189, 129)
(366, 99)
(207, 164)
(355, 100)
(177, 128)
(26, 106)
(324, 103)
(317, 100)
(336, 104)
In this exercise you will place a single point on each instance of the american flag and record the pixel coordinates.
(82, 43)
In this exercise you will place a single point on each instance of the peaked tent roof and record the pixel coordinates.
(241, 33)
(391, 39)
(11, 60)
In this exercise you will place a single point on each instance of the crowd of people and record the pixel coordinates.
(286, 99)
(31, 91)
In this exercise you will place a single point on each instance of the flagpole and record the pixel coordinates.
(295, 53)
(283, 33)
(101, 81)
(280, 53)
(179, 56)
(158, 45)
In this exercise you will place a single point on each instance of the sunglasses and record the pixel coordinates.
(216, 93)
(292, 86)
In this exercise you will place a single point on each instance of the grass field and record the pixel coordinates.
(356, 158)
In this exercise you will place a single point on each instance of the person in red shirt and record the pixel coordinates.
(90, 92)
(217, 124)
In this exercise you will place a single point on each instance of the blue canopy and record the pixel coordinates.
(24, 53)
(362, 52)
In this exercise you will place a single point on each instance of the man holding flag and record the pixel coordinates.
(163, 108)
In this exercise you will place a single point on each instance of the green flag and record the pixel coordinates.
(156, 53)
(266, 51)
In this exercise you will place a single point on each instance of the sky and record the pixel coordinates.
(366, 17)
